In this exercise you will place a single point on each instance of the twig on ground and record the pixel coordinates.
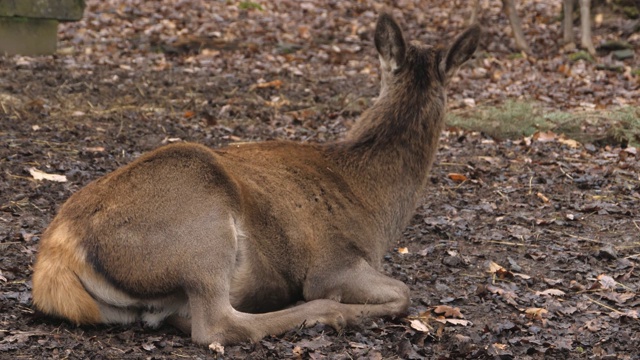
(605, 305)
(510, 243)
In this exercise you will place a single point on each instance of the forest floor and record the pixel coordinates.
(527, 240)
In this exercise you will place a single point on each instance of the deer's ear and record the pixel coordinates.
(390, 43)
(462, 49)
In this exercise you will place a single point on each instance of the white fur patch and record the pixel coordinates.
(114, 315)
(106, 293)
(389, 66)
(161, 309)
(117, 307)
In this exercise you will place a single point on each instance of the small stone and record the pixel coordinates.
(614, 45)
(590, 148)
(469, 102)
(534, 329)
(623, 54)
(514, 265)
(608, 252)
(451, 260)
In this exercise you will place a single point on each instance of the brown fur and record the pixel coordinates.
(56, 277)
(219, 241)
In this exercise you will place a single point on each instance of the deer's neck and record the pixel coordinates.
(389, 153)
(396, 139)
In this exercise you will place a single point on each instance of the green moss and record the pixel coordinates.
(248, 5)
(517, 55)
(581, 55)
(515, 119)
(608, 67)
(625, 126)
(631, 12)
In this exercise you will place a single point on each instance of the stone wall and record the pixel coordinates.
(29, 27)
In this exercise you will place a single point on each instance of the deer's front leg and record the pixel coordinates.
(363, 290)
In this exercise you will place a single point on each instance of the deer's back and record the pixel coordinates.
(297, 202)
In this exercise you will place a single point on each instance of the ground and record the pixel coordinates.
(524, 247)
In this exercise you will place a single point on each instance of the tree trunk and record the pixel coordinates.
(510, 8)
(475, 10)
(567, 23)
(585, 26)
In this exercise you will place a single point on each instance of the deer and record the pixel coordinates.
(237, 243)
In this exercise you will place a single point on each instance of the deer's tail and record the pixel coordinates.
(57, 289)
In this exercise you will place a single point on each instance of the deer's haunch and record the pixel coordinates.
(220, 242)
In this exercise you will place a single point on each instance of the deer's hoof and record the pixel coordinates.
(216, 348)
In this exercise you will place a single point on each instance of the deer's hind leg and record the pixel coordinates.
(220, 324)
(207, 281)
(363, 290)
(345, 297)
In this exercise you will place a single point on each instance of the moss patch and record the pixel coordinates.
(516, 119)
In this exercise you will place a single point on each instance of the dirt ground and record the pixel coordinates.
(523, 248)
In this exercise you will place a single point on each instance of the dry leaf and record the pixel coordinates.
(94, 149)
(620, 298)
(494, 267)
(297, 351)
(459, 322)
(40, 175)
(469, 102)
(276, 84)
(631, 313)
(315, 343)
(508, 295)
(499, 271)
(552, 282)
(277, 102)
(490, 159)
(522, 276)
(448, 311)
(550, 292)
(542, 197)
(543, 136)
(593, 325)
(420, 326)
(569, 142)
(457, 177)
(498, 350)
(444, 320)
(597, 20)
(403, 250)
(536, 313)
(452, 253)
(607, 281)
(357, 345)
